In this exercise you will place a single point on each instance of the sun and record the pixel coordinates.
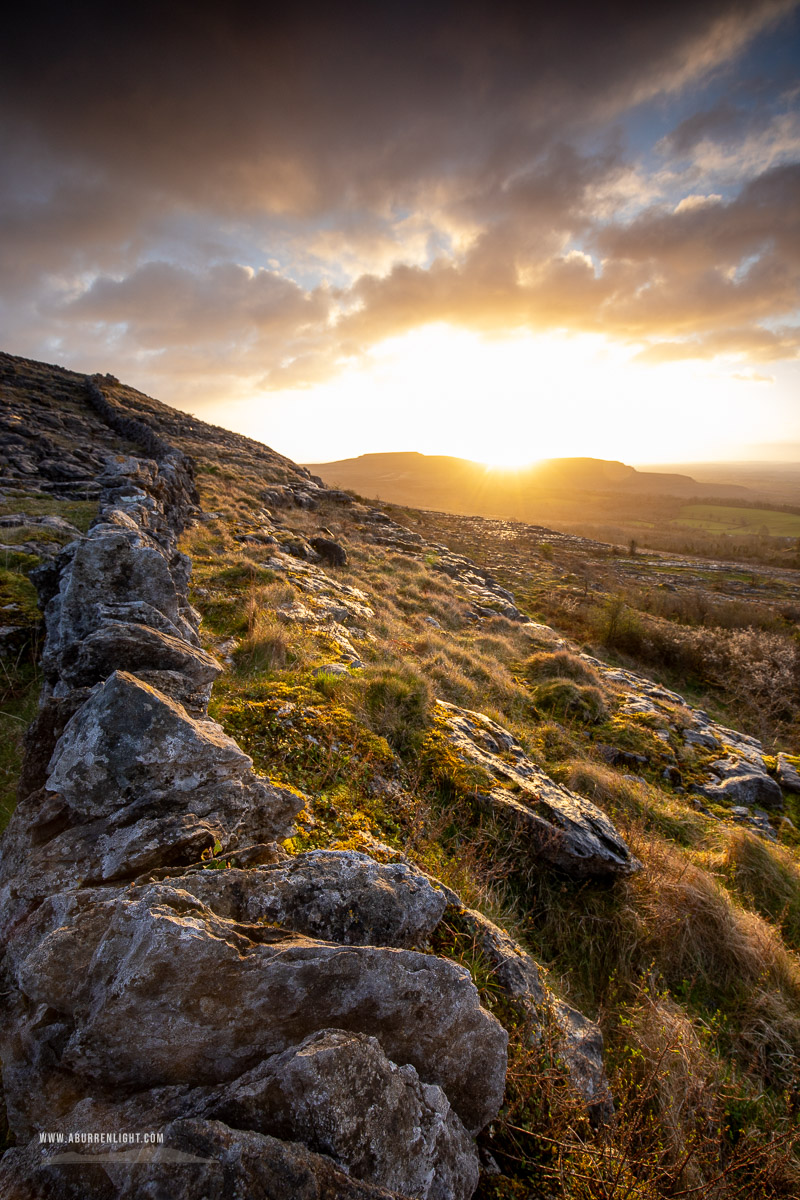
(509, 400)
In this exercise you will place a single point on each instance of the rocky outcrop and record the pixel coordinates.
(788, 774)
(735, 774)
(562, 828)
(283, 1021)
(211, 999)
(743, 783)
(571, 1037)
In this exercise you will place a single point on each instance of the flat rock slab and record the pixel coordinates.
(566, 830)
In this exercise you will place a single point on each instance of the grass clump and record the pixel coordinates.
(633, 800)
(766, 878)
(562, 698)
(560, 665)
(263, 652)
(397, 704)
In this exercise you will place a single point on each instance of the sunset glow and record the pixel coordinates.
(489, 232)
(512, 400)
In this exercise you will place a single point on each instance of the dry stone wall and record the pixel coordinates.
(272, 1019)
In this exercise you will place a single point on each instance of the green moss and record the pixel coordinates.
(442, 767)
(634, 735)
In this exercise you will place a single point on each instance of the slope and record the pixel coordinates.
(606, 859)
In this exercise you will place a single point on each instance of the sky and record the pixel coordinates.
(486, 230)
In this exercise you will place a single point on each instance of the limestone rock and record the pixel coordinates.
(788, 775)
(197, 1159)
(111, 565)
(330, 551)
(580, 1045)
(239, 1163)
(43, 734)
(210, 999)
(513, 969)
(125, 646)
(339, 895)
(577, 1040)
(742, 782)
(134, 783)
(59, 853)
(131, 746)
(565, 830)
(338, 1094)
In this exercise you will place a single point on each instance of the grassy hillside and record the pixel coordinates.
(690, 966)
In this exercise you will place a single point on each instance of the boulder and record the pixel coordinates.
(210, 998)
(579, 1043)
(134, 783)
(111, 565)
(130, 746)
(125, 646)
(788, 775)
(737, 781)
(338, 1094)
(330, 551)
(208, 1159)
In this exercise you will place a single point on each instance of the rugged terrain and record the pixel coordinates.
(361, 852)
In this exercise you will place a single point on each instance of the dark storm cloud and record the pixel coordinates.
(289, 106)
(353, 133)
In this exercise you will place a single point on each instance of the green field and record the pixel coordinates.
(720, 518)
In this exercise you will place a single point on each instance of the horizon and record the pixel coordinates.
(505, 237)
(534, 462)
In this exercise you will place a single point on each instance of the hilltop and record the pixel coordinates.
(749, 511)
(426, 854)
(459, 485)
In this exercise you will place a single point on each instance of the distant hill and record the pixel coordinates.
(459, 485)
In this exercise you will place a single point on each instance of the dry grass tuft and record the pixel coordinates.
(559, 665)
(766, 877)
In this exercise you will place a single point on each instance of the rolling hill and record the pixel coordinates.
(459, 485)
